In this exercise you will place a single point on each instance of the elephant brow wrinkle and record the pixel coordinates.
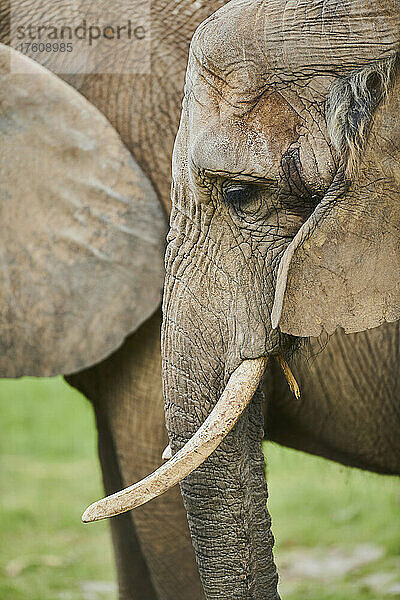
(237, 176)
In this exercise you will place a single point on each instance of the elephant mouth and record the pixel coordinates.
(237, 394)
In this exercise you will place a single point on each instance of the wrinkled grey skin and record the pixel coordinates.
(222, 268)
(253, 159)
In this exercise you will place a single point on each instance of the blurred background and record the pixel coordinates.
(337, 529)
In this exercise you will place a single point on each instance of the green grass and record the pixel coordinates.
(320, 505)
(49, 472)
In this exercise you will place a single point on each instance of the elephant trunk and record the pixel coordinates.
(225, 497)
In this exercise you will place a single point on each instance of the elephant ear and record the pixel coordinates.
(82, 231)
(343, 267)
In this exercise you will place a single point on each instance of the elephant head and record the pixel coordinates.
(285, 220)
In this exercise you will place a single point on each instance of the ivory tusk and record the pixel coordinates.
(236, 396)
(167, 454)
(292, 383)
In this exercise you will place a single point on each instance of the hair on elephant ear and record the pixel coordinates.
(351, 104)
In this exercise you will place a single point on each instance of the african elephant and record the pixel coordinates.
(283, 226)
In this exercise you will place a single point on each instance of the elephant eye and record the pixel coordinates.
(238, 195)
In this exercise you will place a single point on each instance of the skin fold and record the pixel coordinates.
(253, 161)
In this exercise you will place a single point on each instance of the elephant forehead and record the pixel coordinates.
(251, 142)
(292, 38)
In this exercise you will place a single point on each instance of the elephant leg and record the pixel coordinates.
(126, 393)
(134, 580)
